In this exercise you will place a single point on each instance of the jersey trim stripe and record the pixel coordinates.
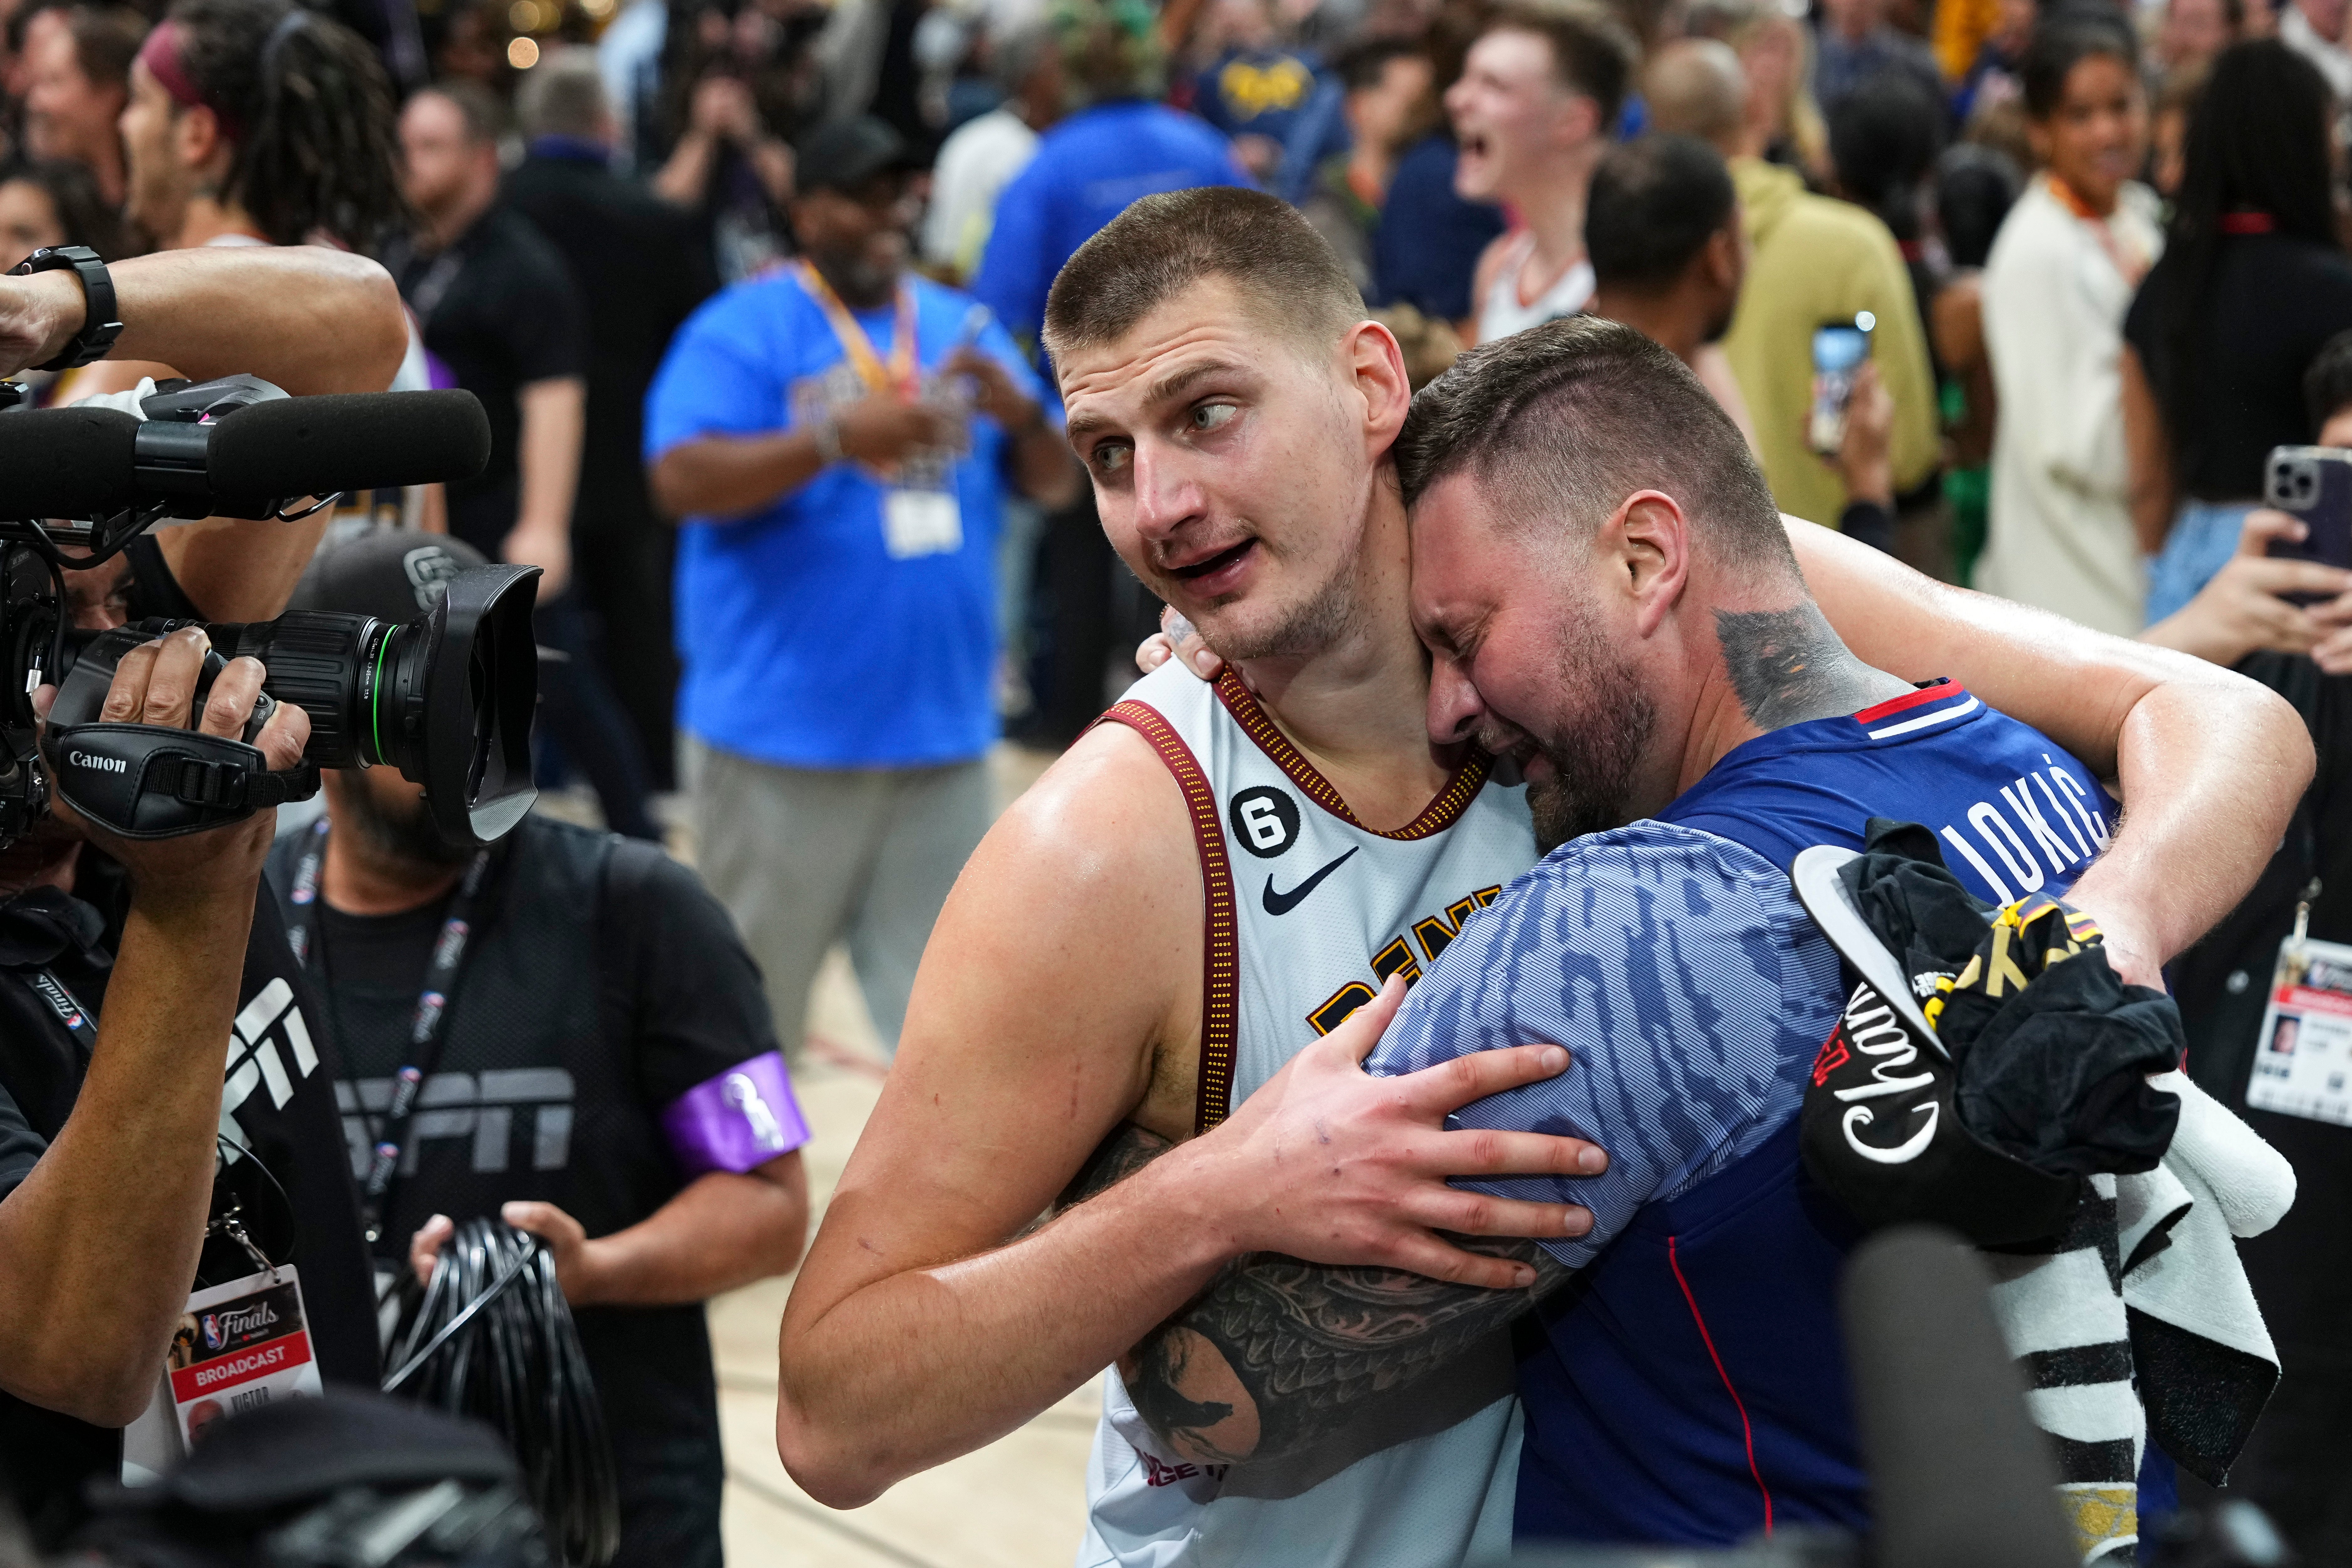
(1934, 692)
(1926, 720)
(1435, 818)
(1747, 1430)
(1221, 954)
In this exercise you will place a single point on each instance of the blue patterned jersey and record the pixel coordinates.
(1690, 1385)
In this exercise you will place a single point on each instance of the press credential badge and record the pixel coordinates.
(2303, 1064)
(238, 1346)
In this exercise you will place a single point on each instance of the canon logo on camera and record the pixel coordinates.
(103, 764)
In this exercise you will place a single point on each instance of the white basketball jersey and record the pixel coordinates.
(1309, 911)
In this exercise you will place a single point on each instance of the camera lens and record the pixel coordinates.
(448, 700)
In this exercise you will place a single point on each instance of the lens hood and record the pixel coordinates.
(479, 694)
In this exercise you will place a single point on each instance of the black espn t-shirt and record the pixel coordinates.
(498, 310)
(288, 1177)
(602, 982)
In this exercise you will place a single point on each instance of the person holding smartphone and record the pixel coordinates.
(2253, 282)
(2301, 647)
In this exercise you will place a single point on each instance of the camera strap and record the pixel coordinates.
(428, 1032)
(155, 781)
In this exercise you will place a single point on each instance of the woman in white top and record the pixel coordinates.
(2056, 287)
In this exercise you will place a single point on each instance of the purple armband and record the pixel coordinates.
(742, 1118)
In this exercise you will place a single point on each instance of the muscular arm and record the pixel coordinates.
(919, 1328)
(1058, 998)
(309, 319)
(2209, 765)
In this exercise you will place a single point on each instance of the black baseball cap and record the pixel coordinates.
(391, 573)
(847, 154)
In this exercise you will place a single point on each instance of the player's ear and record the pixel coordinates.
(1647, 539)
(1376, 365)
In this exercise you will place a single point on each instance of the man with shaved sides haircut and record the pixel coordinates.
(1145, 1004)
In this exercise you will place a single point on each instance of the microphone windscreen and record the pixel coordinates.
(351, 441)
(1959, 1476)
(66, 462)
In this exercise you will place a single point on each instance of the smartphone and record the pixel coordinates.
(2314, 485)
(1838, 349)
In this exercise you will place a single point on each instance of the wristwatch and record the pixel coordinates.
(99, 327)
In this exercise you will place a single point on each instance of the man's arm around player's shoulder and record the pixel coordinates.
(2209, 765)
(1058, 1000)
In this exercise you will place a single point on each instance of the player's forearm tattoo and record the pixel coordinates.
(1787, 665)
(1308, 1345)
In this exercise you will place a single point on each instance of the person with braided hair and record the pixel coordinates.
(260, 122)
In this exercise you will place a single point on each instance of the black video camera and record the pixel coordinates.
(448, 700)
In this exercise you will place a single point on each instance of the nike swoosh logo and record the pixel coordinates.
(1283, 903)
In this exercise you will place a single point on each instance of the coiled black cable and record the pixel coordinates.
(493, 1339)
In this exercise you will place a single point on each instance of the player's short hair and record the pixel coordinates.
(1592, 52)
(1654, 203)
(1560, 422)
(1162, 245)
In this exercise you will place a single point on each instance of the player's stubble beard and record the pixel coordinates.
(1595, 736)
(1318, 623)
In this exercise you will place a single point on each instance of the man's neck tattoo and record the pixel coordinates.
(1787, 665)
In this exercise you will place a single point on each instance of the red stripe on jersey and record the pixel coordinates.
(1747, 1431)
(1936, 693)
(1220, 980)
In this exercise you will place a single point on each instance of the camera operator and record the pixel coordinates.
(601, 1071)
(114, 1145)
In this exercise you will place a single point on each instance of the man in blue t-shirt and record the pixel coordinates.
(835, 436)
(1617, 612)
(1091, 165)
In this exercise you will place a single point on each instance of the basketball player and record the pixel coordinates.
(1624, 616)
(1149, 934)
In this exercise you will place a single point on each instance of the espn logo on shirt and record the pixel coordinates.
(256, 1062)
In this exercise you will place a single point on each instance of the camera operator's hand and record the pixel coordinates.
(156, 684)
(882, 427)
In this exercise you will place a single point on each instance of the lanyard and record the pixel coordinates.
(858, 346)
(427, 1035)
